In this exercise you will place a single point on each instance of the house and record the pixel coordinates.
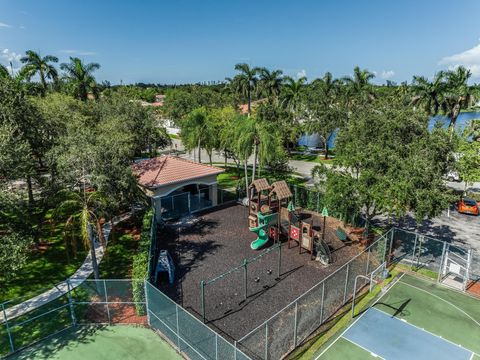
(159, 100)
(177, 186)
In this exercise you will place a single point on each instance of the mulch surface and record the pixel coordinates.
(119, 313)
(216, 241)
(473, 288)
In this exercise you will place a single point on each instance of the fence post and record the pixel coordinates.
(106, 300)
(146, 301)
(368, 259)
(178, 328)
(346, 283)
(70, 303)
(414, 248)
(10, 339)
(392, 236)
(202, 295)
(279, 259)
(295, 326)
(266, 340)
(216, 346)
(235, 350)
(245, 279)
(323, 296)
(188, 200)
(442, 260)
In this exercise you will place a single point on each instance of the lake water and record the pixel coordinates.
(462, 122)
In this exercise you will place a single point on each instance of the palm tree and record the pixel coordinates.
(88, 207)
(271, 82)
(35, 64)
(429, 94)
(246, 82)
(458, 95)
(293, 92)
(360, 82)
(81, 76)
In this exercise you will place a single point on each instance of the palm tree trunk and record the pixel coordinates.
(326, 150)
(199, 151)
(92, 253)
(249, 102)
(225, 154)
(44, 83)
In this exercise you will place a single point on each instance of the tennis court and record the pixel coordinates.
(413, 319)
(101, 343)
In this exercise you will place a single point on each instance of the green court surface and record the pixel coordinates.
(446, 314)
(101, 343)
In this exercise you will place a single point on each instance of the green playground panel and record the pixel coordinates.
(101, 343)
(437, 309)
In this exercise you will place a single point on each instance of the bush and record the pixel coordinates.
(140, 263)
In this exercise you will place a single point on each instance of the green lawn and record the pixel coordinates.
(122, 245)
(231, 179)
(51, 262)
(312, 158)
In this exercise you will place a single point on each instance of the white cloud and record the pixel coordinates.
(77, 52)
(301, 73)
(4, 25)
(387, 74)
(9, 56)
(469, 58)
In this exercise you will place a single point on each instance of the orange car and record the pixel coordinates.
(468, 206)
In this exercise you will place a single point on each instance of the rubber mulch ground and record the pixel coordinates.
(219, 240)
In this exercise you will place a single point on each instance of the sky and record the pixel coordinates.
(184, 41)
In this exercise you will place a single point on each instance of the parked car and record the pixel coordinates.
(453, 176)
(468, 206)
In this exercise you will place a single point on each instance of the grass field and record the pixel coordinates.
(442, 314)
(101, 343)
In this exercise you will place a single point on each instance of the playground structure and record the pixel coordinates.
(272, 216)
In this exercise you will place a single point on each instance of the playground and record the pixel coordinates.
(94, 342)
(244, 282)
(415, 319)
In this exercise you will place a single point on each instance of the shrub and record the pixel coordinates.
(140, 263)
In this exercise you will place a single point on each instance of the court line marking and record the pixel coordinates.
(438, 297)
(422, 329)
(341, 335)
(362, 347)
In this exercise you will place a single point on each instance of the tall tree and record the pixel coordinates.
(246, 82)
(4, 71)
(429, 94)
(388, 162)
(360, 82)
(81, 77)
(457, 95)
(41, 66)
(293, 94)
(270, 83)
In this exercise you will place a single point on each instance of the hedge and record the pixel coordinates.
(140, 263)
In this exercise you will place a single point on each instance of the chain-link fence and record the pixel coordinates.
(74, 303)
(284, 331)
(185, 332)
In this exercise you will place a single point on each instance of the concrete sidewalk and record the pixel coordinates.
(82, 273)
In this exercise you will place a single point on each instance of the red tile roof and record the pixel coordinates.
(165, 170)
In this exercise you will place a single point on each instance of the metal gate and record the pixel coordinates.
(456, 267)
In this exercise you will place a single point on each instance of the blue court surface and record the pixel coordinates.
(391, 338)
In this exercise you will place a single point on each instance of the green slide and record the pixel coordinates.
(262, 238)
(264, 221)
